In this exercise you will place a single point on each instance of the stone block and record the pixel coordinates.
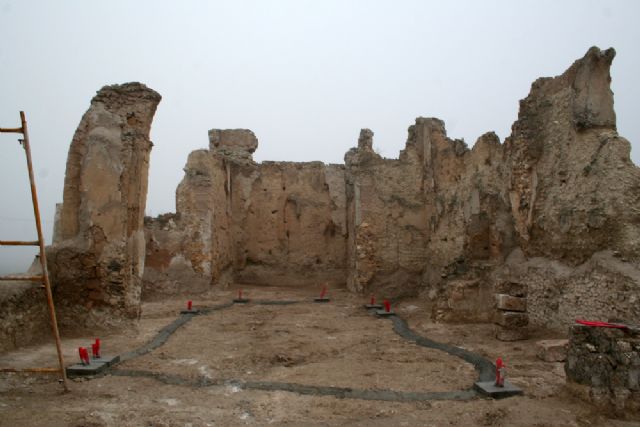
(552, 350)
(511, 319)
(489, 388)
(516, 334)
(512, 288)
(510, 303)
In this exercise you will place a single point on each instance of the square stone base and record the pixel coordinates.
(79, 369)
(323, 299)
(192, 311)
(489, 388)
(384, 313)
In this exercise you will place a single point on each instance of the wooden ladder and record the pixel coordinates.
(44, 277)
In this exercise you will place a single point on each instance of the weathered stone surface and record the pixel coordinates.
(511, 334)
(97, 261)
(236, 143)
(550, 215)
(465, 302)
(23, 314)
(511, 319)
(280, 223)
(513, 289)
(552, 350)
(509, 303)
(606, 363)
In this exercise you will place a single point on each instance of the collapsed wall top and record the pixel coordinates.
(235, 143)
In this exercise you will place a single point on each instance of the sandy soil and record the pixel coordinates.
(335, 344)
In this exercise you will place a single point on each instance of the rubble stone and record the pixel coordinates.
(552, 350)
(603, 366)
(509, 303)
(511, 319)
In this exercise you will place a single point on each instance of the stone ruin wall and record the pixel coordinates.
(271, 223)
(554, 207)
(97, 260)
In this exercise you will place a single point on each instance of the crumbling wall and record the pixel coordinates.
(603, 367)
(97, 261)
(538, 209)
(555, 208)
(387, 220)
(270, 223)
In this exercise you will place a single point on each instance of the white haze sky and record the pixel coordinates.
(305, 76)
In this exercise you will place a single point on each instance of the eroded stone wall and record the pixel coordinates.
(270, 223)
(97, 260)
(555, 208)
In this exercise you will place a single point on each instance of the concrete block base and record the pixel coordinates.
(79, 369)
(241, 300)
(323, 299)
(384, 313)
(489, 388)
(192, 311)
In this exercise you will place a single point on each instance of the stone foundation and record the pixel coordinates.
(603, 367)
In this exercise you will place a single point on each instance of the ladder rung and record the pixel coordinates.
(18, 243)
(21, 278)
(11, 130)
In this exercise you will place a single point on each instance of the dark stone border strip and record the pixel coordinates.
(484, 367)
(310, 390)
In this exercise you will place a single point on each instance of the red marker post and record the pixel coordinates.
(387, 306)
(84, 356)
(323, 295)
(373, 300)
(500, 372)
(189, 305)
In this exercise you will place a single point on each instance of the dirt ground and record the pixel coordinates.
(337, 344)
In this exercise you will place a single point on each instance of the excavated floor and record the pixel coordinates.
(290, 364)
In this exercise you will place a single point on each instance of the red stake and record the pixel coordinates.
(84, 355)
(500, 372)
(98, 347)
(387, 306)
(240, 294)
(189, 304)
(373, 300)
(323, 292)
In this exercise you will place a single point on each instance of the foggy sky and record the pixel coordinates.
(304, 76)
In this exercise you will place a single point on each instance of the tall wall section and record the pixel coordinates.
(97, 260)
(271, 223)
(556, 207)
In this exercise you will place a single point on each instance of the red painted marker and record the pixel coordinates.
(84, 355)
(189, 304)
(98, 347)
(387, 306)
(373, 300)
(94, 351)
(500, 372)
(323, 292)
(239, 293)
